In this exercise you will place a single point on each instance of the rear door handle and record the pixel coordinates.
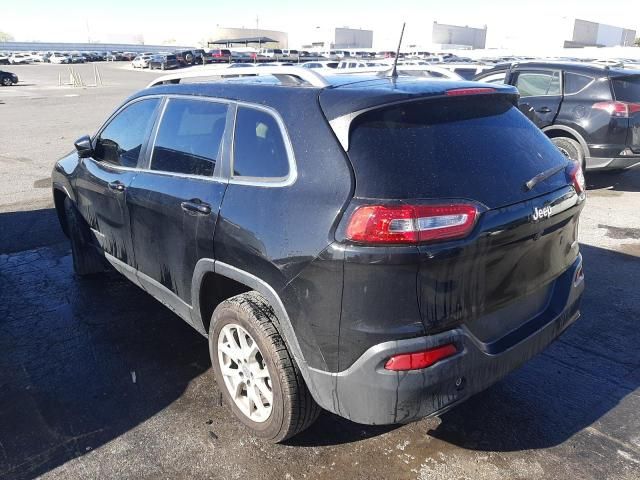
(118, 186)
(543, 110)
(196, 205)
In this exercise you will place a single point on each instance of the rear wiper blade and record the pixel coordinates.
(543, 176)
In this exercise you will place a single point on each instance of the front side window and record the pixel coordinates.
(121, 141)
(258, 150)
(539, 83)
(189, 139)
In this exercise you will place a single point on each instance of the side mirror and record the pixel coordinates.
(84, 147)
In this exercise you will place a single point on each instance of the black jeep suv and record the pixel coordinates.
(381, 248)
(591, 112)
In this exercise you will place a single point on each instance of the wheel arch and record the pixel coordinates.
(208, 271)
(554, 131)
(59, 195)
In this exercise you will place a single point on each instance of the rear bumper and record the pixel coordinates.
(367, 393)
(614, 157)
(617, 163)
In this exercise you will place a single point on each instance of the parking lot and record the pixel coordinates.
(99, 380)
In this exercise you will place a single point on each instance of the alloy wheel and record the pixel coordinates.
(245, 372)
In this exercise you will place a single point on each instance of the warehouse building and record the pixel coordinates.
(338, 38)
(592, 34)
(458, 37)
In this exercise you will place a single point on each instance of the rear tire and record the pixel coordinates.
(291, 408)
(570, 149)
(86, 259)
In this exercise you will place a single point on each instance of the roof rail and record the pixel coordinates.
(286, 75)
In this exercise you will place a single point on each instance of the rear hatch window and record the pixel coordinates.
(627, 89)
(480, 148)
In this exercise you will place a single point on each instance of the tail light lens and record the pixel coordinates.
(576, 175)
(376, 224)
(618, 109)
(418, 360)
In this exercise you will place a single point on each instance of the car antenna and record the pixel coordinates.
(394, 70)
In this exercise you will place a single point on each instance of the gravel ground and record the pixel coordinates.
(97, 379)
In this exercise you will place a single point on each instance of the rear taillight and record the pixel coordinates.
(411, 223)
(579, 277)
(469, 91)
(576, 175)
(618, 109)
(418, 360)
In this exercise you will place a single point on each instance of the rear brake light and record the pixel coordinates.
(418, 360)
(576, 175)
(579, 277)
(470, 91)
(618, 109)
(411, 223)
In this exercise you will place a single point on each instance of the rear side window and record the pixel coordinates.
(259, 150)
(539, 83)
(574, 82)
(627, 89)
(494, 78)
(482, 149)
(466, 73)
(121, 141)
(189, 140)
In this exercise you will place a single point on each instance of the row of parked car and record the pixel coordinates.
(22, 58)
(589, 110)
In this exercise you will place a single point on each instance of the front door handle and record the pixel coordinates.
(544, 110)
(118, 186)
(196, 205)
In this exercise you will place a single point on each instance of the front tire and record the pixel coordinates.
(255, 372)
(570, 149)
(7, 82)
(86, 259)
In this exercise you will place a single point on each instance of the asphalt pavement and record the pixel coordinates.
(99, 380)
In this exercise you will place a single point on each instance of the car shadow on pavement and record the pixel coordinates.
(573, 384)
(82, 361)
(30, 229)
(621, 181)
(331, 430)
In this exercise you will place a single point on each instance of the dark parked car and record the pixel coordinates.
(591, 112)
(163, 62)
(7, 78)
(431, 251)
(187, 57)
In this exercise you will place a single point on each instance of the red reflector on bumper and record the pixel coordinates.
(418, 360)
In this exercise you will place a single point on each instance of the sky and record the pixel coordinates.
(509, 22)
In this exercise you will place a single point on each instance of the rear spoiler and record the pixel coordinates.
(341, 125)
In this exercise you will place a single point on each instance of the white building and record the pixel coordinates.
(445, 37)
(559, 32)
(592, 34)
(321, 38)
